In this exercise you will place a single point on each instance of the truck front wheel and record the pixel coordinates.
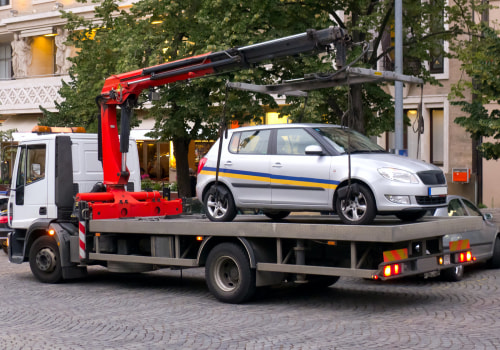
(45, 260)
(229, 275)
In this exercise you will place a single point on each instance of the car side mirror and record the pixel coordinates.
(488, 216)
(314, 150)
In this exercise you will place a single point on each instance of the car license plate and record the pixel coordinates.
(437, 191)
(446, 259)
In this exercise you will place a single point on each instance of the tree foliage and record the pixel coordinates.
(478, 52)
(118, 41)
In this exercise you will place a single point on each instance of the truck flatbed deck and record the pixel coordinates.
(385, 229)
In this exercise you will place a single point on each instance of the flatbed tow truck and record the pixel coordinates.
(60, 234)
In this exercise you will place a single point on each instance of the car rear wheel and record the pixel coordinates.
(358, 206)
(494, 262)
(219, 204)
(277, 215)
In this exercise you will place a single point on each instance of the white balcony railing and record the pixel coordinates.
(26, 95)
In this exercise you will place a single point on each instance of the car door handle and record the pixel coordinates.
(42, 211)
(277, 165)
(228, 163)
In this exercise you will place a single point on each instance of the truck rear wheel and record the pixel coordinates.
(229, 275)
(45, 260)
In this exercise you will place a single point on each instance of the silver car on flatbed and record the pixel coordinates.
(315, 167)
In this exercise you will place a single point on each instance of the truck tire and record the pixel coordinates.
(453, 274)
(219, 204)
(229, 275)
(494, 262)
(45, 260)
(276, 215)
(358, 208)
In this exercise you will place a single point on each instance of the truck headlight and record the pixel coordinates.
(398, 175)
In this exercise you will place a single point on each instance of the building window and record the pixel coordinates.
(5, 61)
(4, 2)
(437, 137)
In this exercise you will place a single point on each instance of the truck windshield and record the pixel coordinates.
(343, 139)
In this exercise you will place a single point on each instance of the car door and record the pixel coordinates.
(299, 180)
(245, 165)
(483, 239)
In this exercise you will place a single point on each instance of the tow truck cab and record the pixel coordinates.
(49, 170)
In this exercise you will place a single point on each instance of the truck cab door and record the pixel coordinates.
(28, 197)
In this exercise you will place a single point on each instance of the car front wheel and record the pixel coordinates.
(357, 207)
(453, 274)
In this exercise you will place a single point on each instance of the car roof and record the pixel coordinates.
(281, 126)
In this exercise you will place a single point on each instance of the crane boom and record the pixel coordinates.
(123, 90)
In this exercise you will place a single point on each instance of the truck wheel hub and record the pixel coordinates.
(46, 260)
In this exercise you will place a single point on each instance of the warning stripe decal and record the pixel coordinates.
(459, 245)
(81, 234)
(393, 255)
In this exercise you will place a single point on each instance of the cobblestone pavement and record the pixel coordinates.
(162, 311)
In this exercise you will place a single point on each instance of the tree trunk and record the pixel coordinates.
(356, 121)
(181, 151)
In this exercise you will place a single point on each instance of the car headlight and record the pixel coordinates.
(398, 175)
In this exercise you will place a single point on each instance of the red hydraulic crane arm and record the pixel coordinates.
(124, 89)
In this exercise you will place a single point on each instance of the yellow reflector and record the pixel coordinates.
(440, 260)
(378, 73)
(393, 255)
(459, 245)
(332, 243)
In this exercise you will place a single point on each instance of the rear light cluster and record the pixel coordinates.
(201, 164)
(392, 270)
(464, 257)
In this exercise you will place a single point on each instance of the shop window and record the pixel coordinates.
(154, 159)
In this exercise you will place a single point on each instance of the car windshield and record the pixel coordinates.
(343, 139)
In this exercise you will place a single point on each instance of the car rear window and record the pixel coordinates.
(250, 142)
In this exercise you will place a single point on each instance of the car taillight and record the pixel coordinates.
(201, 164)
(4, 219)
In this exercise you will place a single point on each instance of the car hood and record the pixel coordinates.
(393, 161)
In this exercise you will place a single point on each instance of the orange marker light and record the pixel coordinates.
(52, 232)
(199, 238)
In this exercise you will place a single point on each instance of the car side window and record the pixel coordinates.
(250, 142)
(455, 208)
(472, 208)
(293, 141)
